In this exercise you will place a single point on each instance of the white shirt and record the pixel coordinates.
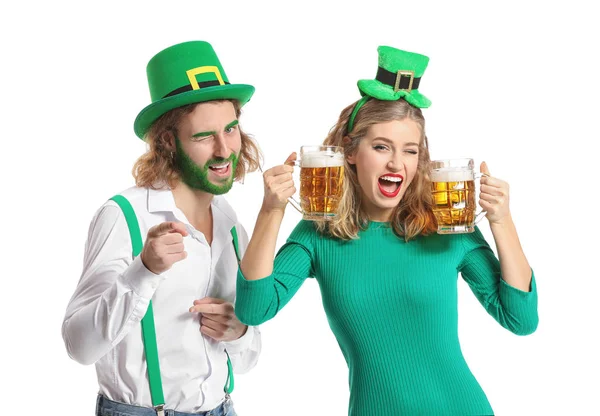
(102, 321)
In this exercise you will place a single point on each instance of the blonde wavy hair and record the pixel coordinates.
(414, 214)
(156, 167)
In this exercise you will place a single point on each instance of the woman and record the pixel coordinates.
(387, 279)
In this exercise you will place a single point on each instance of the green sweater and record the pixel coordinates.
(392, 306)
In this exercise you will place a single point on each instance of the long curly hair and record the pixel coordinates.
(414, 214)
(156, 168)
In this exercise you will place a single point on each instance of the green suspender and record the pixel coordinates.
(229, 381)
(148, 329)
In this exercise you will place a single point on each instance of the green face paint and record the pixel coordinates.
(206, 134)
(196, 176)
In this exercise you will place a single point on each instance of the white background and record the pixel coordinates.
(515, 84)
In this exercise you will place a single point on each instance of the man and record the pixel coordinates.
(160, 326)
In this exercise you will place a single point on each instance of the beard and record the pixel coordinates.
(196, 176)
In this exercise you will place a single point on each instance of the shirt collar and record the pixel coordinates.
(224, 219)
(162, 200)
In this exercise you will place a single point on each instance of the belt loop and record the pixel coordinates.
(98, 403)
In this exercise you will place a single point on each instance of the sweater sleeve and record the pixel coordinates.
(513, 308)
(257, 301)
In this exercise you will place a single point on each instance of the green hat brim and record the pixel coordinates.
(376, 89)
(239, 92)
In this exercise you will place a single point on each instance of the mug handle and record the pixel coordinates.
(295, 204)
(291, 199)
(479, 216)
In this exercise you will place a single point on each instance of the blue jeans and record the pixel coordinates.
(105, 407)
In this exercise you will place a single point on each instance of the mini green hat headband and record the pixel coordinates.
(357, 107)
(398, 77)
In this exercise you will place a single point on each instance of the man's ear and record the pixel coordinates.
(168, 138)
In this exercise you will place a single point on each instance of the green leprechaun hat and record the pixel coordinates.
(186, 73)
(398, 76)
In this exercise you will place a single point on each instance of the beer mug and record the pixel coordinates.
(321, 180)
(454, 195)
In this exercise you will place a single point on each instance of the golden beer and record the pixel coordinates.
(454, 198)
(321, 184)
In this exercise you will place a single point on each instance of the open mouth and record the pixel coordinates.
(390, 185)
(223, 169)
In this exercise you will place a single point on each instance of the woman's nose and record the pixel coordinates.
(395, 164)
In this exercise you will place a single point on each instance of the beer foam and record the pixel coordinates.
(451, 175)
(322, 159)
